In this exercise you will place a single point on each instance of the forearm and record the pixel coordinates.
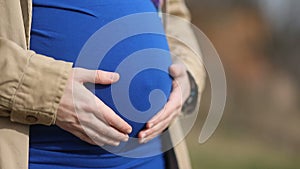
(183, 44)
(31, 85)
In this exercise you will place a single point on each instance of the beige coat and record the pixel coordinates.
(27, 96)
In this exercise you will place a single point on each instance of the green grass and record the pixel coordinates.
(239, 152)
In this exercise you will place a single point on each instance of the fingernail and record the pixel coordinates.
(150, 125)
(116, 144)
(126, 139)
(143, 135)
(142, 141)
(145, 141)
(114, 76)
(129, 131)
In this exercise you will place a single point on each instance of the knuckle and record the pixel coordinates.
(104, 132)
(85, 106)
(100, 144)
(110, 77)
(116, 143)
(113, 143)
(150, 131)
(120, 137)
(108, 120)
(175, 113)
(178, 106)
(125, 128)
(85, 138)
(78, 127)
(70, 126)
(84, 119)
(99, 75)
(99, 114)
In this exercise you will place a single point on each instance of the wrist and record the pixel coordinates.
(191, 101)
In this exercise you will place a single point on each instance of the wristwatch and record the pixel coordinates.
(190, 104)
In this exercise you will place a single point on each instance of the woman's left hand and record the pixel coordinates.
(180, 92)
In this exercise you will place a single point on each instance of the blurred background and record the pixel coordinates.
(257, 41)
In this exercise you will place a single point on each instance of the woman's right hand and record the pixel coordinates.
(84, 115)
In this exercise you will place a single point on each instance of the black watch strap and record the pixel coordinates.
(191, 102)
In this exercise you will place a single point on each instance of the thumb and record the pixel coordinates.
(177, 70)
(97, 76)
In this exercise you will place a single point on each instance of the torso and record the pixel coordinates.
(60, 29)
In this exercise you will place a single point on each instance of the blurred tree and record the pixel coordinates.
(260, 56)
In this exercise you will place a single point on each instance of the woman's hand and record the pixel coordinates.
(84, 115)
(180, 92)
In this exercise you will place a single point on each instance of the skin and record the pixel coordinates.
(85, 115)
(98, 124)
(180, 92)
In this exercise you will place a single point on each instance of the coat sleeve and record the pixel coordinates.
(184, 46)
(31, 85)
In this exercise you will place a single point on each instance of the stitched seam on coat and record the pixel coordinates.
(4, 102)
(61, 89)
(20, 82)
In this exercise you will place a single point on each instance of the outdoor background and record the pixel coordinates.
(257, 41)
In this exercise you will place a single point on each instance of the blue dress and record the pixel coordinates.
(60, 29)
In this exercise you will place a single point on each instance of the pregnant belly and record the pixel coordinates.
(61, 30)
(144, 84)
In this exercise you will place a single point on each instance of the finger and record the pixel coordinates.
(102, 140)
(148, 132)
(96, 76)
(112, 119)
(105, 114)
(101, 128)
(161, 126)
(177, 70)
(173, 103)
(104, 77)
(158, 117)
(152, 136)
(114, 135)
(100, 137)
(157, 130)
(164, 114)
